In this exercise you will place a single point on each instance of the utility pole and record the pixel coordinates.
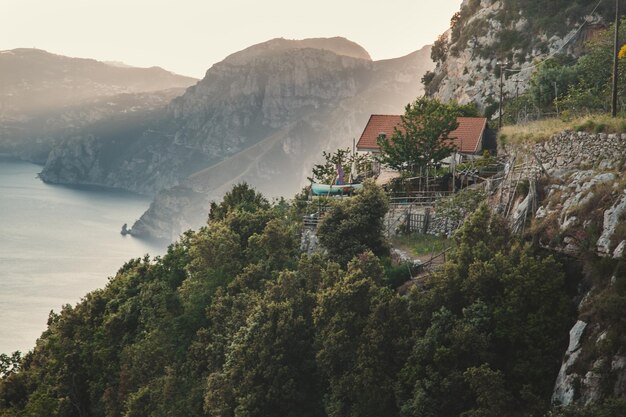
(615, 60)
(556, 97)
(517, 81)
(502, 65)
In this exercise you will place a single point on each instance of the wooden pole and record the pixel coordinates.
(556, 98)
(501, 93)
(615, 60)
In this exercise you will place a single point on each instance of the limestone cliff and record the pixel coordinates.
(580, 212)
(517, 33)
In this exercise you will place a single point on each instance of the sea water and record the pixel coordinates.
(57, 243)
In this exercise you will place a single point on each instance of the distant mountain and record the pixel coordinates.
(32, 137)
(263, 115)
(44, 97)
(338, 45)
(32, 80)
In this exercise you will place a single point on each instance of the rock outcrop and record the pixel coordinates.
(582, 215)
(488, 32)
(564, 389)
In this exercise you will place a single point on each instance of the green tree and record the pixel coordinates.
(355, 225)
(10, 364)
(542, 82)
(276, 247)
(271, 368)
(498, 311)
(439, 51)
(241, 197)
(215, 260)
(326, 173)
(361, 332)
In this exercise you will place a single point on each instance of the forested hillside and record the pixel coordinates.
(233, 321)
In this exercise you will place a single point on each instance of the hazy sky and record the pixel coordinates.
(188, 36)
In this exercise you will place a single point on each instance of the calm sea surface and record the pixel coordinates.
(57, 244)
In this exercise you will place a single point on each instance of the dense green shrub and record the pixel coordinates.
(355, 225)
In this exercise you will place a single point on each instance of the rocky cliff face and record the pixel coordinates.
(262, 115)
(518, 33)
(581, 213)
(248, 96)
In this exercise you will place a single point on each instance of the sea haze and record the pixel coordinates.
(56, 245)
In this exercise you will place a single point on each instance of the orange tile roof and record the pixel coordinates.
(467, 137)
(377, 124)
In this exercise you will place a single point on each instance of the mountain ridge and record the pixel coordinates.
(313, 99)
(338, 45)
(45, 97)
(55, 80)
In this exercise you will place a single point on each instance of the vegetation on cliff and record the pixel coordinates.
(573, 87)
(516, 35)
(541, 19)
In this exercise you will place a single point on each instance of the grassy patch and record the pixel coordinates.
(546, 231)
(542, 130)
(593, 209)
(420, 245)
(396, 275)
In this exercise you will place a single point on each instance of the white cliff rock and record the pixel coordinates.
(612, 217)
(564, 388)
(620, 250)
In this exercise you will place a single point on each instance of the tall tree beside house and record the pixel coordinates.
(423, 137)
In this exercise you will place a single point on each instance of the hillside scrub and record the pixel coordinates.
(233, 321)
(573, 87)
(543, 130)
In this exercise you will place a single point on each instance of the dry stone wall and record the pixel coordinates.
(569, 151)
(584, 169)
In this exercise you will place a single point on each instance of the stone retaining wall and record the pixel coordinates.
(396, 222)
(568, 151)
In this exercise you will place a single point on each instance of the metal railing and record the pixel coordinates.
(417, 198)
(311, 221)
